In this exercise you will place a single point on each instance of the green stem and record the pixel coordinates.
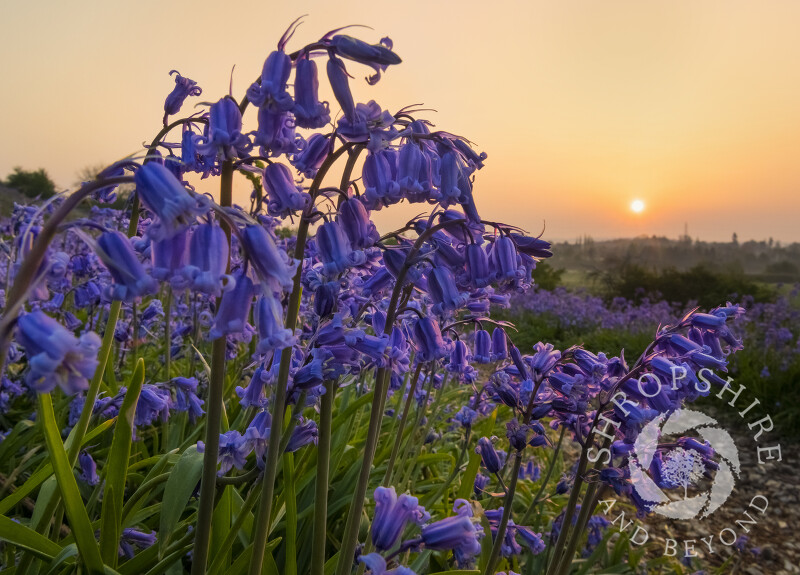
(168, 333)
(216, 384)
(508, 502)
(290, 496)
(399, 434)
(323, 472)
(264, 516)
(550, 468)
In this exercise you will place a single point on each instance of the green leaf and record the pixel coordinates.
(67, 553)
(73, 503)
(180, 486)
(41, 475)
(27, 538)
(116, 469)
(458, 572)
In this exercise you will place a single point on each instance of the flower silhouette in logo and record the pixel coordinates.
(683, 467)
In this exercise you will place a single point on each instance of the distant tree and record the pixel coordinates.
(31, 183)
(735, 239)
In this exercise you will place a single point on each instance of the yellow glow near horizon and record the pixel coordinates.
(637, 206)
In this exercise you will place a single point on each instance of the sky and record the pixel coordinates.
(583, 107)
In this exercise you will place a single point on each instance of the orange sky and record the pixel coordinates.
(692, 107)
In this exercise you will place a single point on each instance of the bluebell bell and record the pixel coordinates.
(354, 219)
(271, 263)
(532, 246)
(88, 468)
(465, 416)
(490, 457)
(184, 87)
(380, 179)
(130, 279)
(374, 347)
(208, 260)
(499, 344)
(392, 514)
(503, 259)
(303, 434)
(164, 195)
(477, 266)
(191, 158)
(481, 353)
(276, 133)
(233, 451)
(224, 138)
(186, 399)
(168, 257)
(378, 282)
(334, 249)
(444, 292)
(312, 154)
(451, 185)
(325, 298)
(459, 358)
(134, 537)
(253, 395)
(414, 173)
(311, 374)
(517, 434)
(545, 357)
(377, 56)
(376, 565)
(257, 436)
(368, 123)
(337, 76)
(269, 320)
(154, 403)
(428, 339)
(509, 546)
(457, 532)
(530, 539)
(271, 91)
(308, 110)
(234, 308)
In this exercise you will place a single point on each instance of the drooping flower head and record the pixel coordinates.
(184, 87)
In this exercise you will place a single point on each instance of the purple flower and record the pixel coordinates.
(233, 451)
(271, 263)
(269, 320)
(88, 468)
(224, 137)
(308, 110)
(311, 156)
(376, 565)
(271, 91)
(130, 279)
(164, 195)
(482, 347)
(133, 537)
(377, 56)
(335, 251)
(392, 514)
(234, 309)
(429, 342)
(458, 533)
(184, 87)
(55, 356)
(492, 459)
(304, 433)
(208, 261)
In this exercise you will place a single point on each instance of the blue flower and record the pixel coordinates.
(337, 76)
(184, 87)
(55, 356)
(482, 347)
(335, 251)
(310, 157)
(377, 56)
(271, 263)
(234, 309)
(164, 195)
(233, 451)
(271, 91)
(130, 279)
(499, 344)
(224, 137)
(304, 433)
(429, 341)
(392, 514)
(276, 133)
(458, 533)
(376, 565)
(492, 459)
(269, 320)
(308, 110)
(133, 537)
(208, 261)
(443, 291)
(354, 219)
(88, 468)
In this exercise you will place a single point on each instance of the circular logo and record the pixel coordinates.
(682, 466)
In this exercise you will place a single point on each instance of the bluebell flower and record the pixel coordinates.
(367, 123)
(503, 259)
(491, 458)
(154, 403)
(380, 179)
(499, 344)
(130, 279)
(337, 76)
(414, 173)
(308, 110)
(276, 133)
(477, 269)
(271, 91)
(377, 56)
(517, 434)
(334, 249)
(458, 533)
(429, 342)
(184, 87)
(269, 320)
(392, 514)
(354, 219)
(55, 356)
(304, 433)
(376, 565)
(325, 298)
(271, 263)
(253, 395)
(257, 436)
(312, 154)
(88, 468)
(134, 537)
(164, 195)
(481, 482)
(481, 353)
(186, 399)
(224, 138)
(530, 539)
(208, 261)
(534, 247)
(233, 451)
(234, 308)
(443, 291)
(168, 257)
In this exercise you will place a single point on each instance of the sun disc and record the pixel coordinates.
(637, 206)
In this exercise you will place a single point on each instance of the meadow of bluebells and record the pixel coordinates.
(189, 387)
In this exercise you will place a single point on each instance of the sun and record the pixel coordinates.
(637, 206)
